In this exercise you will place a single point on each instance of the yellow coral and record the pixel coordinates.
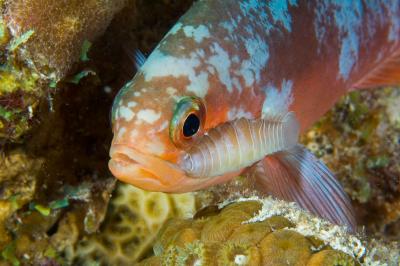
(251, 207)
(4, 35)
(231, 254)
(134, 219)
(167, 233)
(16, 168)
(252, 233)
(196, 253)
(153, 261)
(185, 236)
(331, 258)
(285, 247)
(220, 227)
(235, 236)
(5, 212)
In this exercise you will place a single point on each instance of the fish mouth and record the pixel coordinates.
(153, 173)
(144, 171)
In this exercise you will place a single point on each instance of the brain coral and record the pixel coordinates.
(257, 231)
(133, 220)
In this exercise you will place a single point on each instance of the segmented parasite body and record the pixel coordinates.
(234, 82)
(236, 145)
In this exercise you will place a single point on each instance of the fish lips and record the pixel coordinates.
(152, 173)
(144, 171)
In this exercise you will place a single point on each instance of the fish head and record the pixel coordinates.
(190, 118)
(155, 122)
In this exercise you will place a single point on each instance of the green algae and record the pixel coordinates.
(59, 204)
(85, 50)
(43, 210)
(378, 162)
(16, 42)
(8, 254)
(4, 113)
(78, 77)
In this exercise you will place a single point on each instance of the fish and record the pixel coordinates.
(233, 84)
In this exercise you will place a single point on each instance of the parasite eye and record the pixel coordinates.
(187, 121)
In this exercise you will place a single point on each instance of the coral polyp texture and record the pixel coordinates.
(254, 231)
(134, 218)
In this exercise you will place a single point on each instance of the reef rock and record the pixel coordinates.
(40, 41)
(253, 231)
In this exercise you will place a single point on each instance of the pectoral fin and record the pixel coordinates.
(297, 175)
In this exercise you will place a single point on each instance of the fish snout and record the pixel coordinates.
(146, 171)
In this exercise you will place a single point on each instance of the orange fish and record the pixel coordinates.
(233, 84)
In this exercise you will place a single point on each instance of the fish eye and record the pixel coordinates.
(187, 121)
(191, 125)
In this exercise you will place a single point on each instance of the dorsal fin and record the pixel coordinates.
(386, 74)
(138, 58)
(133, 58)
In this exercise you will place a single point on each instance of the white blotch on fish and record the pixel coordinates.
(277, 101)
(197, 33)
(148, 115)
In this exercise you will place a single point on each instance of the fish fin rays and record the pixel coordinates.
(138, 58)
(386, 74)
(297, 175)
(132, 58)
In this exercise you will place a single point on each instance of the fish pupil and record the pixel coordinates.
(191, 125)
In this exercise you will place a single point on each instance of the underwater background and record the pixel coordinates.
(63, 62)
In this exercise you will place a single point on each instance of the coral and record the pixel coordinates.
(220, 227)
(232, 254)
(37, 53)
(252, 233)
(194, 253)
(134, 219)
(250, 207)
(60, 29)
(285, 247)
(331, 257)
(20, 89)
(360, 139)
(278, 233)
(18, 182)
(41, 231)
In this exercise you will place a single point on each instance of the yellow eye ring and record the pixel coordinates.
(187, 121)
